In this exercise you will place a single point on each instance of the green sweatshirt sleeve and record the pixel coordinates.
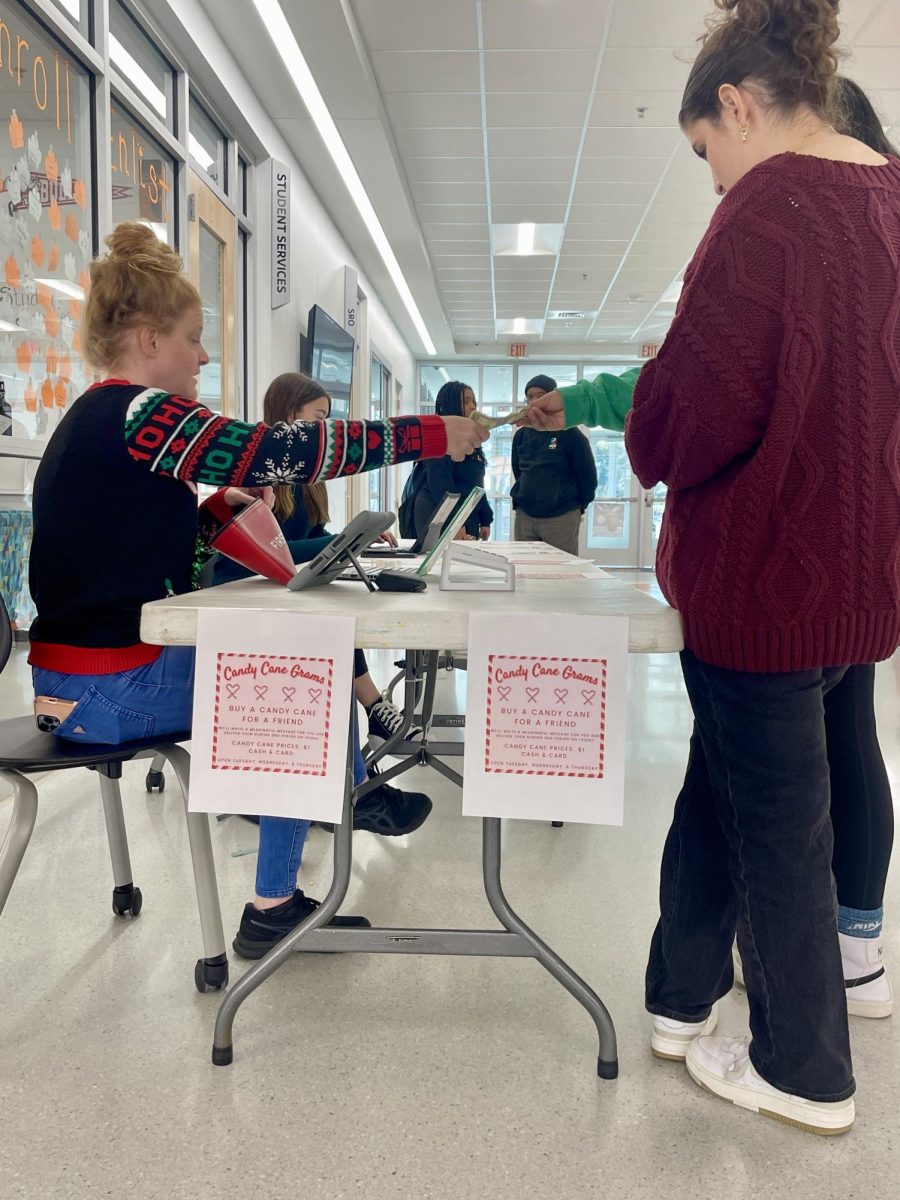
(604, 401)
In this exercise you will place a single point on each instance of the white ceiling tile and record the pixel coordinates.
(460, 261)
(422, 110)
(434, 143)
(536, 191)
(658, 22)
(537, 25)
(401, 71)
(449, 193)
(541, 214)
(590, 220)
(453, 214)
(657, 69)
(637, 140)
(534, 143)
(620, 109)
(455, 233)
(544, 70)
(444, 170)
(526, 170)
(613, 171)
(613, 193)
(472, 246)
(418, 24)
(871, 22)
(529, 110)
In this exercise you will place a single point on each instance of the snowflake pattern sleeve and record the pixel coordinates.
(183, 438)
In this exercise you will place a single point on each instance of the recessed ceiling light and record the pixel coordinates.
(526, 238)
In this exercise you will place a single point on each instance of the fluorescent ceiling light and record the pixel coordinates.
(526, 238)
(135, 74)
(519, 326)
(203, 158)
(446, 374)
(72, 290)
(291, 55)
(673, 294)
(8, 327)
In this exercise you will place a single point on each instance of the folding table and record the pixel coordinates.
(420, 622)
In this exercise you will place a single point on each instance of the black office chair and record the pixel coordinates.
(25, 751)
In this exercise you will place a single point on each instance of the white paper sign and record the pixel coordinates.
(272, 703)
(545, 717)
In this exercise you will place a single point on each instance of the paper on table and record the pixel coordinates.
(545, 717)
(271, 713)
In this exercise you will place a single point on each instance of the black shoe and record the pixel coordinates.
(385, 719)
(388, 811)
(261, 930)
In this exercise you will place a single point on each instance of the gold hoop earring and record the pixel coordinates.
(743, 130)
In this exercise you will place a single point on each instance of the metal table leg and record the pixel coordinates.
(223, 1049)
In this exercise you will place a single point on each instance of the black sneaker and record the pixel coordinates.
(260, 931)
(386, 719)
(388, 811)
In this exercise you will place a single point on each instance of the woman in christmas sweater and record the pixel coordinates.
(116, 522)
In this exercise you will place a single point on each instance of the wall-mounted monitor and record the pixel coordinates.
(328, 357)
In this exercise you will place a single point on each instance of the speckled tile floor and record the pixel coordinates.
(375, 1076)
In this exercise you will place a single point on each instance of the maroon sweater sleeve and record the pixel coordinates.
(704, 403)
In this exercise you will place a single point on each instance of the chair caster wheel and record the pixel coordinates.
(156, 781)
(211, 974)
(127, 901)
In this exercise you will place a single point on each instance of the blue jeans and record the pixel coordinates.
(750, 850)
(155, 700)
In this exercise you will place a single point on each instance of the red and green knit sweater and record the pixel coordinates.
(116, 522)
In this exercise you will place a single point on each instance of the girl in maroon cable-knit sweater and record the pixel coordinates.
(772, 415)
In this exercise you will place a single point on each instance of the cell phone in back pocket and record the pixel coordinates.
(50, 712)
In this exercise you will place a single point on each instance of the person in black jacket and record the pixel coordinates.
(438, 476)
(555, 479)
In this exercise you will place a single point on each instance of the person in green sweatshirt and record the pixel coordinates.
(604, 401)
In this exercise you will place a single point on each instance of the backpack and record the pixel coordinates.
(406, 512)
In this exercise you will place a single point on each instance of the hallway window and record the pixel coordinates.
(143, 176)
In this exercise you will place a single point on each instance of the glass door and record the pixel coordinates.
(213, 239)
(611, 530)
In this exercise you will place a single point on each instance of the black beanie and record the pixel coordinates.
(541, 381)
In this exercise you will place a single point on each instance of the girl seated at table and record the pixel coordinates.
(116, 522)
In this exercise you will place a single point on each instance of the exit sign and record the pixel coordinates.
(649, 350)
(518, 350)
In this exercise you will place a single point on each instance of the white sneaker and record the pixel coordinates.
(722, 1066)
(869, 991)
(670, 1039)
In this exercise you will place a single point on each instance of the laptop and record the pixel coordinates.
(432, 560)
(338, 555)
(432, 534)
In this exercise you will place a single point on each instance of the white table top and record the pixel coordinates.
(431, 620)
(20, 447)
